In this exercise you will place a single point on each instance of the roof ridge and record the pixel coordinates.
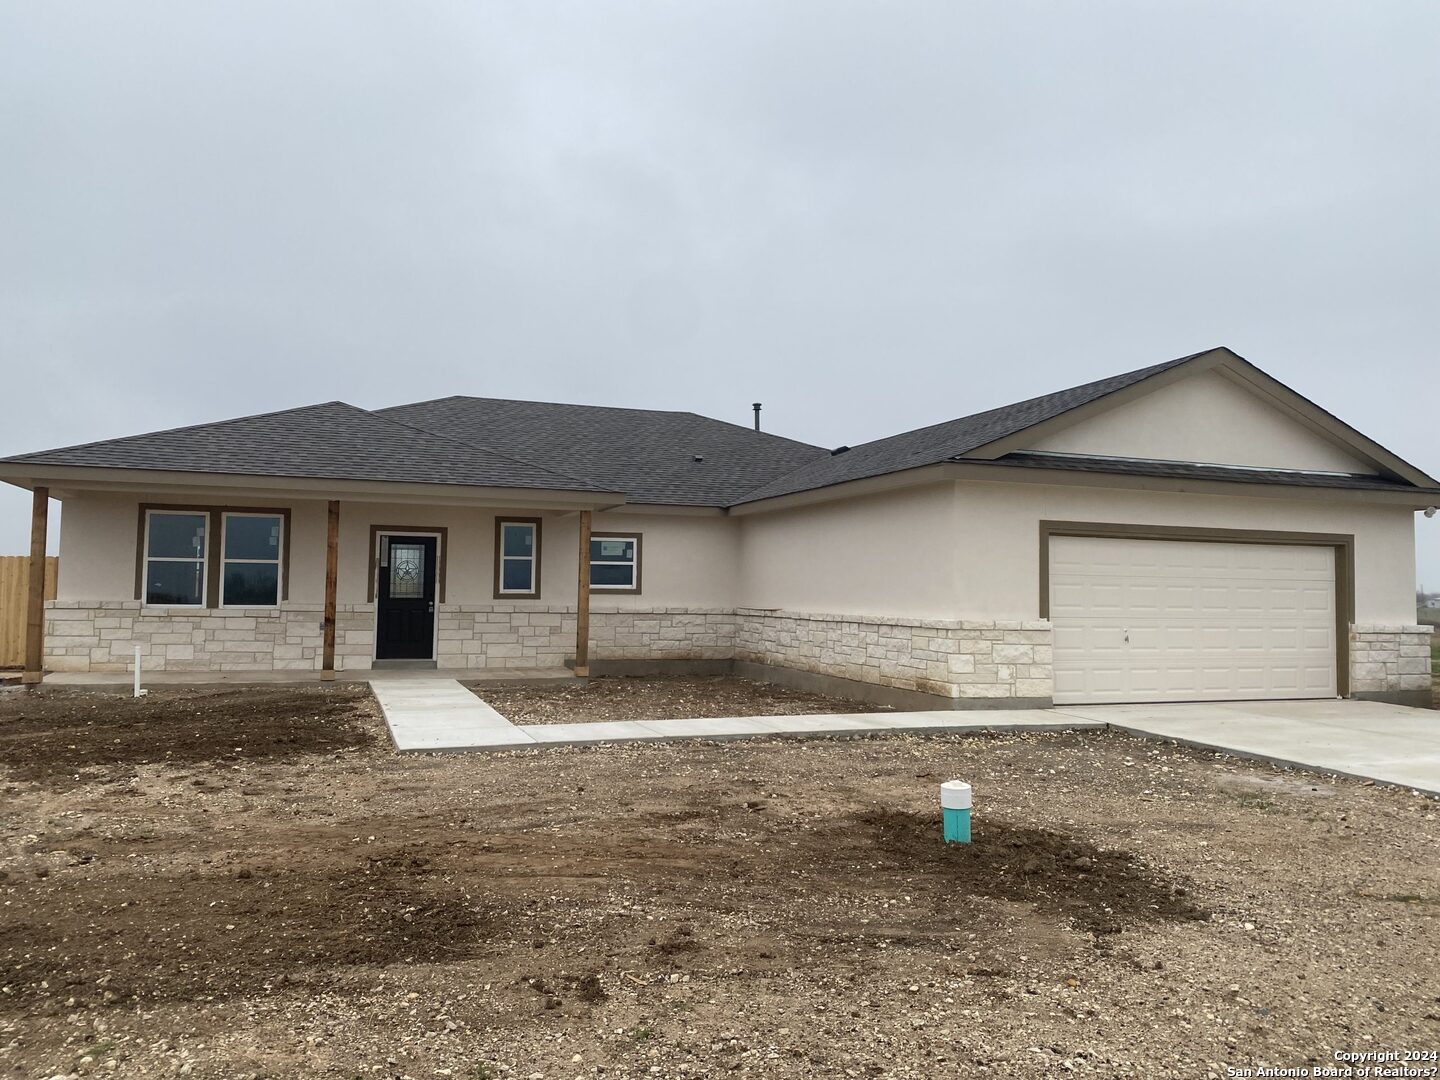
(181, 427)
(467, 445)
(755, 431)
(602, 408)
(538, 401)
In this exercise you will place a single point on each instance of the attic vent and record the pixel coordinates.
(839, 450)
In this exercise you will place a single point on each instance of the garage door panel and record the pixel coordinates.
(1204, 621)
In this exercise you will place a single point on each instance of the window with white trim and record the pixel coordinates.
(175, 558)
(250, 559)
(517, 550)
(615, 563)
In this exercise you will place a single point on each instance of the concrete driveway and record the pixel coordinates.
(1366, 739)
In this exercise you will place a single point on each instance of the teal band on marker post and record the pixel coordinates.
(955, 811)
(957, 826)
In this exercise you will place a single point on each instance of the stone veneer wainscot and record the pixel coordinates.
(1386, 660)
(958, 659)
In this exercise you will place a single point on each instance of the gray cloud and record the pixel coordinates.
(870, 216)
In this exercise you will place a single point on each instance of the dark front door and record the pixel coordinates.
(405, 599)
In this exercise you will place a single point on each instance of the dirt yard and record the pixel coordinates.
(250, 884)
(677, 697)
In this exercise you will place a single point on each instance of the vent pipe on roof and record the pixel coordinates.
(756, 407)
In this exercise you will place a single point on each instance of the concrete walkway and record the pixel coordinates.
(746, 727)
(1367, 739)
(1390, 744)
(440, 714)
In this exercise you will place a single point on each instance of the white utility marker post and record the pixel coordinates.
(138, 691)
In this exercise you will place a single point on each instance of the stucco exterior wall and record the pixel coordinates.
(997, 536)
(886, 555)
(687, 561)
(1208, 417)
(684, 610)
(933, 589)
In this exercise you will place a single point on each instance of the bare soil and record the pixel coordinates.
(317, 906)
(52, 733)
(674, 697)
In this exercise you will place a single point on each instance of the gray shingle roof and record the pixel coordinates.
(942, 442)
(333, 441)
(675, 458)
(648, 454)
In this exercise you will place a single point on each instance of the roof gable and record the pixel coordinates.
(1210, 418)
(1283, 402)
(951, 439)
(991, 435)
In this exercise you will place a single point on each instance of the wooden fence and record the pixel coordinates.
(14, 588)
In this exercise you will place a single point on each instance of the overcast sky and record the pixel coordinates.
(868, 216)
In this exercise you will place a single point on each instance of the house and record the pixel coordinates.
(1194, 530)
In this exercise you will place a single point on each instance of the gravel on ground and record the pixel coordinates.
(324, 907)
(657, 697)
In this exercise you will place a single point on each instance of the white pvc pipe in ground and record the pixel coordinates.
(138, 691)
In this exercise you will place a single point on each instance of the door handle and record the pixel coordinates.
(430, 607)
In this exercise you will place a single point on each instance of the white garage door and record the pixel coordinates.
(1169, 620)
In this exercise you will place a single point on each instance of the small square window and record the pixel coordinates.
(615, 563)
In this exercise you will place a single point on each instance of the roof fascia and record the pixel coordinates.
(1325, 424)
(994, 472)
(64, 479)
(670, 510)
(848, 489)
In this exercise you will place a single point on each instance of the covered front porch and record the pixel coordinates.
(239, 579)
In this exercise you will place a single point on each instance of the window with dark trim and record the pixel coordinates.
(615, 562)
(212, 556)
(251, 545)
(517, 558)
(175, 558)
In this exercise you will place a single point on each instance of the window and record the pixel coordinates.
(212, 556)
(250, 576)
(407, 569)
(615, 563)
(517, 557)
(174, 558)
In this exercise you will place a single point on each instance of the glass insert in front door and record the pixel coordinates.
(407, 571)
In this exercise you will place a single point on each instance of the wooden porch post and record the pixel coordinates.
(332, 577)
(35, 600)
(582, 600)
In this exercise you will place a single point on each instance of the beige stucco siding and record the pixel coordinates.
(98, 534)
(997, 534)
(890, 554)
(1207, 418)
(97, 548)
(686, 560)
